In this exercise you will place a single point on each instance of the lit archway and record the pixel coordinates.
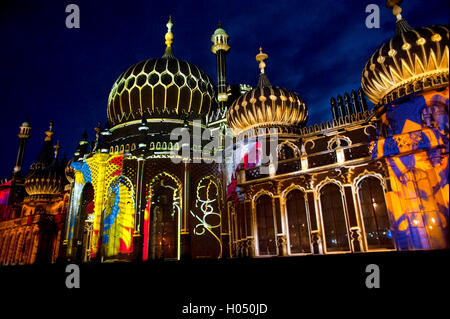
(162, 220)
(265, 225)
(118, 218)
(297, 222)
(374, 214)
(334, 218)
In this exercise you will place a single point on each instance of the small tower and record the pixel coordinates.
(83, 145)
(24, 135)
(220, 49)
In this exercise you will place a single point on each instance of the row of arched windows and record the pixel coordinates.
(163, 146)
(375, 224)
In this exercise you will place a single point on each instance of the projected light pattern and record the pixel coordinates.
(208, 202)
(416, 136)
(119, 218)
(101, 170)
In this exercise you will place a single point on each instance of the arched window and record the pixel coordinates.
(286, 152)
(333, 216)
(162, 225)
(83, 224)
(299, 240)
(118, 220)
(374, 214)
(266, 227)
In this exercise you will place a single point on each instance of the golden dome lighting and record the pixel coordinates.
(413, 60)
(161, 88)
(266, 106)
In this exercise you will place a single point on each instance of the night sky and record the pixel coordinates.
(50, 73)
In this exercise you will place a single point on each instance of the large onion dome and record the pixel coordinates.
(46, 175)
(266, 106)
(413, 60)
(161, 88)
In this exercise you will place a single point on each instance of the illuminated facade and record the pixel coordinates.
(132, 198)
(33, 206)
(367, 180)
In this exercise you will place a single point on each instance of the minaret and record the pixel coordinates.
(220, 49)
(24, 135)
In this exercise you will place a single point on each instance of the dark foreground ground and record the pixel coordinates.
(287, 286)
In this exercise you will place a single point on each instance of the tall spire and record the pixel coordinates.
(24, 135)
(46, 156)
(220, 48)
(169, 39)
(263, 79)
(401, 25)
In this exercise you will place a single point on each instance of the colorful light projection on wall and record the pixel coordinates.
(118, 220)
(246, 153)
(415, 142)
(207, 213)
(5, 211)
(82, 177)
(101, 171)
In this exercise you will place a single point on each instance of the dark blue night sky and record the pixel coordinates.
(48, 72)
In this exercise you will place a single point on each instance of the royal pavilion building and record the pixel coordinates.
(367, 180)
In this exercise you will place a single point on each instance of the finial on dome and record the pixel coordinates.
(169, 39)
(261, 57)
(263, 80)
(57, 147)
(401, 25)
(395, 6)
(49, 133)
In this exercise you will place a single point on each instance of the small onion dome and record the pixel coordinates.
(413, 60)
(161, 88)
(219, 32)
(46, 176)
(220, 40)
(266, 106)
(45, 181)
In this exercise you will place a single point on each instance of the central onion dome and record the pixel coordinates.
(413, 60)
(161, 88)
(266, 106)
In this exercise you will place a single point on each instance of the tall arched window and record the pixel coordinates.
(164, 222)
(118, 221)
(333, 215)
(266, 226)
(299, 240)
(83, 223)
(374, 214)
